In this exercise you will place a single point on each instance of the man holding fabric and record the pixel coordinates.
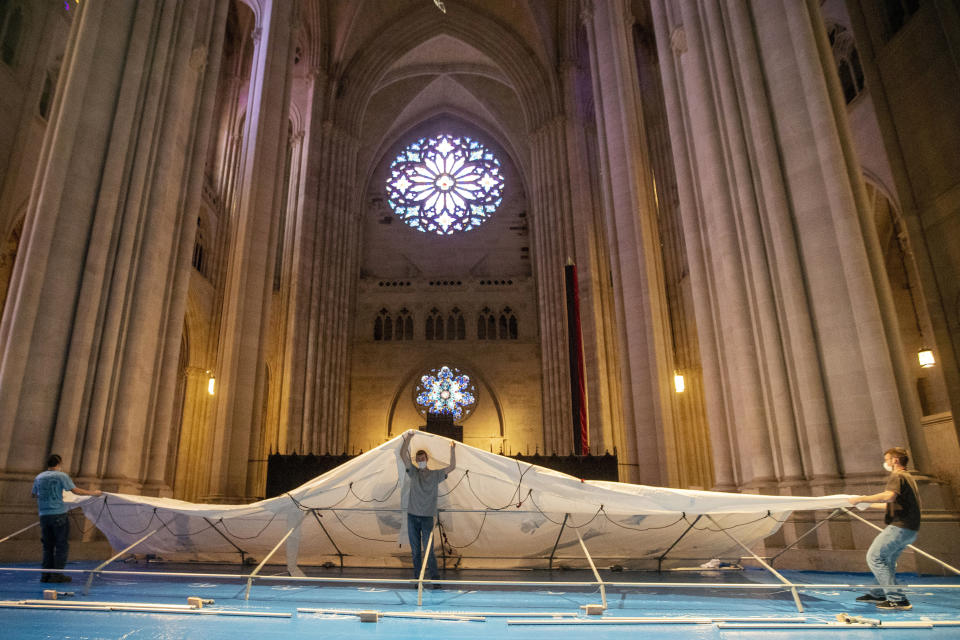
(422, 503)
(48, 488)
(901, 499)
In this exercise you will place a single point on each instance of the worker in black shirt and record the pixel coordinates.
(901, 500)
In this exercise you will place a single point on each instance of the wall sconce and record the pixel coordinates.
(925, 357)
(211, 384)
(678, 383)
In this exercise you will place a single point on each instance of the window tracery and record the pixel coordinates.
(445, 184)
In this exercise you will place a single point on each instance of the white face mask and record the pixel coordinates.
(887, 466)
(422, 464)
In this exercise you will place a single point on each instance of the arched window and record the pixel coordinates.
(507, 325)
(403, 329)
(46, 94)
(456, 327)
(482, 324)
(200, 257)
(433, 329)
(380, 324)
(11, 28)
(848, 61)
(897, 13)
(387, 328)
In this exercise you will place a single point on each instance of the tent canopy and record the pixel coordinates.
(494, 512)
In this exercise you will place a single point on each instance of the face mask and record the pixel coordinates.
(887, 466)
(422, 465)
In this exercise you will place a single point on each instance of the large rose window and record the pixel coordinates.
(445, 184)
(446, 391)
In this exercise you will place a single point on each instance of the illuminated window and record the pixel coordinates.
(445, 184)
(448, 391)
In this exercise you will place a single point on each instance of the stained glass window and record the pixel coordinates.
(448, 391)
(445, 184)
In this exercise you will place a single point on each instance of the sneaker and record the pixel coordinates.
(46, 577)
(895, 605)
(869, 597)
(59, 577)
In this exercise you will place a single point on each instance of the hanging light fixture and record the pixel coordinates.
(678, 383)
(925, 357)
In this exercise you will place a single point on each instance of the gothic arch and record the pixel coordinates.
(399, 393)
(539, 97)
(400, 133)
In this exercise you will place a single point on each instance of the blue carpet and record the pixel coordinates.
(821, 605)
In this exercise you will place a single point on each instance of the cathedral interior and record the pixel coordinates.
(233, 229)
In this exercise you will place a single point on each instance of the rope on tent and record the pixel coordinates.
(256, 535)
(629, 528)
(734, 526)
(384, 499)
(344, 524)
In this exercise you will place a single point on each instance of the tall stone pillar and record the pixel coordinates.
(631, 225)
(249, 274)
(552, 239)
(787, 305)
(604, 417)
(324, 263)
(91, 330)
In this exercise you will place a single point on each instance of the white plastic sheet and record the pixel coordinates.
(494, 512)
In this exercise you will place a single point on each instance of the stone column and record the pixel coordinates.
(552, 239)
(249, 274)
(868, 390)
(630, 212)
(591, 256)
(331, 203)
(786, 298)
(90, 335)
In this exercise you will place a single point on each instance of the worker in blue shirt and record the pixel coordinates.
(48, 488)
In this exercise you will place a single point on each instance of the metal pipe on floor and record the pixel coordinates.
(16, 533)
(86, 587)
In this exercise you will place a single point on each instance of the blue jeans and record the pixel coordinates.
(419, 528)
(882, 559)
(55, 537)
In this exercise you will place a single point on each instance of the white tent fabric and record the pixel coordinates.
(494, 512)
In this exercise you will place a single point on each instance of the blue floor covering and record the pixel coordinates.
(821, 606)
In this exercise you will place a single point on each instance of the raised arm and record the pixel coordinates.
(453, 458)
(405, 449)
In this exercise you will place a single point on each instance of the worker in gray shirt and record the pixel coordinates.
(422, 504)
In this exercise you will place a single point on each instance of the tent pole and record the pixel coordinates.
(675, 543)
(793, 588)
(812, 529)
(254, 573)
(317, 517)
(909, 546)
(86, 588)
(423, 567)
(596, 574)
(16, 533)
(443, 549)
(566, 516)
(243, 554)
